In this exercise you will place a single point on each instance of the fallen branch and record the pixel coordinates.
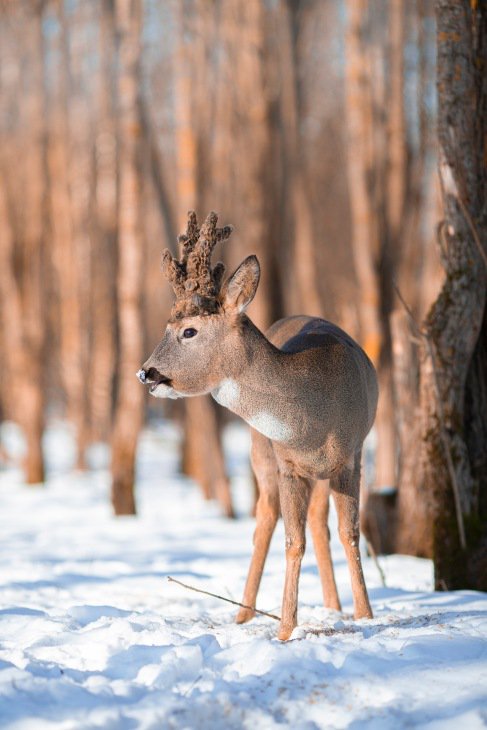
(374, 557)
(222, 598)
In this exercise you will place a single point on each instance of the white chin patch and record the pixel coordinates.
(270, 426)
(227, 393)
(164, 391)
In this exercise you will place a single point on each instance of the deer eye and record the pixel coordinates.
(189, 332)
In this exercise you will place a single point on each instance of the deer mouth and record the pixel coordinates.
(159, 380)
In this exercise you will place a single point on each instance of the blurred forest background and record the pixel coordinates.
(311, 125)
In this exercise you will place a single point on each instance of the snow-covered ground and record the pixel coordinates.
(93, 636)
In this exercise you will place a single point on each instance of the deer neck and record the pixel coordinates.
(254, 389)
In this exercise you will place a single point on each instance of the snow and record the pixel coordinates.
(92, 635)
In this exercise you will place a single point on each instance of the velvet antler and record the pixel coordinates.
(196, 284)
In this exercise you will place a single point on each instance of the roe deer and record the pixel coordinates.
(308, 391)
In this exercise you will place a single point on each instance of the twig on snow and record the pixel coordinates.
(222, 598)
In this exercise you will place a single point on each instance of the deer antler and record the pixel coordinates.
(195, 283)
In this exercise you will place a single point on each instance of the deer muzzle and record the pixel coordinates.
(153, 378)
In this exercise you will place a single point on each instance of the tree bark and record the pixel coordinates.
(129, 400)
(454, 353)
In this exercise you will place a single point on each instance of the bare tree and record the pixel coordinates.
(23, 240)
(418, 275)
(371, 249)
(129, 400)
(202, 449)
(454, 354)
(103, 319)
(301, 290)
(65, 253)
(245, 23)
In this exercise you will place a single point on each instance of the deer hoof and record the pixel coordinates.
(363, 613)
(285, 632)
(333, 606)
(244, 615)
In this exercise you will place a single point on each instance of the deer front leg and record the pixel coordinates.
(267, 514)
(294, 493)
(318, 511)
(346, 491)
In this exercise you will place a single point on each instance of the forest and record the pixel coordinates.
(347, 154)
(345, 143)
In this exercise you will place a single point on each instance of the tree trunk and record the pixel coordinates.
(103, 295)
(454, 356)
(371, 248)
(252, 148)
(23, 241)
(412, 524)
(65, 256)
(14, 359)
(202, 448)
(418, 272)
(33, 295)
(301, 289)
(80, 114)
(129, 400)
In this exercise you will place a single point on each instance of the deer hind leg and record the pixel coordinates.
(267, 514)
(318, 511)
(294, 493)
(346, 490)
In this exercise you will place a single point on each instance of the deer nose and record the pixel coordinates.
(141, 374)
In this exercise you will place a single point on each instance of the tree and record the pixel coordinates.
(65, 253)
(130, 396)
(103, 297)
(23, 240)
(454, 364)
(372, 243)
(202, 449)
(301, 292)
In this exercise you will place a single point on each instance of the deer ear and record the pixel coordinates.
(240, 288)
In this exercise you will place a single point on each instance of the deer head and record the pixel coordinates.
(200, 347)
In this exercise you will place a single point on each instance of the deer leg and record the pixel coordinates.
(294, 493)
(346, 491)
(267, 514)
(318, 511)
